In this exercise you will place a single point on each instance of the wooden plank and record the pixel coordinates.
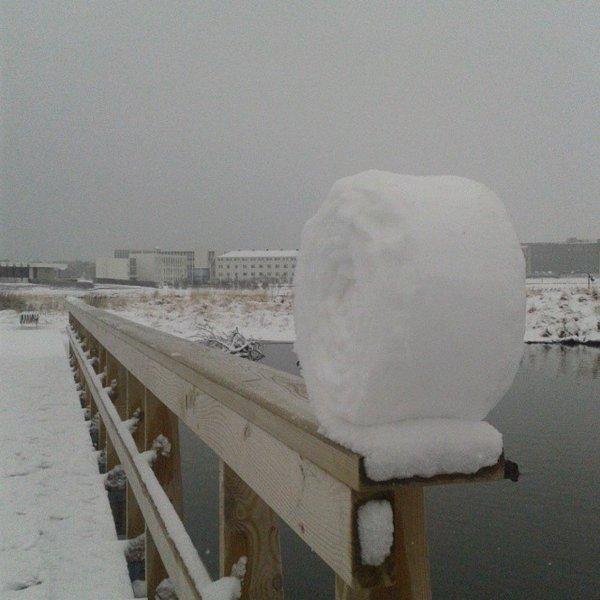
(274, 400)
(154, 566)
(112, 374)
(314, 504)
(248, 527)
(159, 420)
(405, 573)
(410, 544)
(177, 552)
(135, 400)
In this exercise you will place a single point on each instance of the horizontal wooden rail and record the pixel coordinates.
(185, 568)
(258, 422)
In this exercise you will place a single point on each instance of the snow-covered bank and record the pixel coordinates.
(258, 314)
(267, 316)
(57, 535)
(563, 314)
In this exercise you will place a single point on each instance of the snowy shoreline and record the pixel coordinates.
(557, 312)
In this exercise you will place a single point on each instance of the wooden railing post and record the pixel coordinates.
(409, 562)
(135, 402)
(248, 527)
(273, 460)
(159, 420)
(101, 369)
(117, 395)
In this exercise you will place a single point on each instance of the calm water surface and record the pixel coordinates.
(535, 539)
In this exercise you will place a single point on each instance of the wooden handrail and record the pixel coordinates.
(259, 423)
(176, 548)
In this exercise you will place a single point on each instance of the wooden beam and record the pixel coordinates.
(248, 527)
(159, 420)
(135, 401)
(174, 368)
(177, 552)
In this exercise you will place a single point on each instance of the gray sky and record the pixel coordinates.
(196, 124)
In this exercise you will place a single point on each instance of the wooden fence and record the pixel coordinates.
(272, 462)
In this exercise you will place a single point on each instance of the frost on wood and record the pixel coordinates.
(227, 588)
(428, 274)
(139, 588)
(133, 422)
(135, 548)
(165, 591)
(375, 531)
(161, 446)
(115, 479)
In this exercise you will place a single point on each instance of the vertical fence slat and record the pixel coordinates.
(159, 420)
(410, 543)
(135, 401)
(248, 527)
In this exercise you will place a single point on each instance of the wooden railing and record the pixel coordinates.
(273, 462)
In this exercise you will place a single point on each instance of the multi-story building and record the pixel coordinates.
(168, 267)
(112, 270)
(32, 272)
(256, 266)
(159, 268)
(572, 257)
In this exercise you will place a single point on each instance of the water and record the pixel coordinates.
(535, 539)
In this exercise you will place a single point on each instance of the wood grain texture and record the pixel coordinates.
(314, 504)
(185, 568)
(135, 400)
(248, 527)
(257, 421)
(275, 401)
(159, 420)
(410, 544)
(118, 400)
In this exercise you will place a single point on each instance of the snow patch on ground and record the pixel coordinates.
(57, 535)
(563, 314)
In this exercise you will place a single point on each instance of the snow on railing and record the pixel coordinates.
(191, 580)
(273, 460)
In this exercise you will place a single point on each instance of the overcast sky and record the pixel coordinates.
(224, 125)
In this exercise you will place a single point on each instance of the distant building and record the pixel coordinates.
(167, 265)
(30, 272)
(256, 266)
(572, 257)
(211, 266)
(112, 270)
(160, 268)
(201, 275)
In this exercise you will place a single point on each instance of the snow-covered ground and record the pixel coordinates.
(258, 314)
(269, 316)
(563, 314)
(57, 535)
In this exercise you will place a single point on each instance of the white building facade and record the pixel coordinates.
(112, 270)
(158, 268)
(164, 268)
(256, 266)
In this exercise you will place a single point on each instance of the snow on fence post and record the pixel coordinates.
(273, 461)
(102, 372)
(136, 394)
(159, 420)
(117, 396)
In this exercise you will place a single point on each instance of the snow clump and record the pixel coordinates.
(409, 315)
(375, 531)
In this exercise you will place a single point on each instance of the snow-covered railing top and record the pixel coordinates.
(258, 421)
